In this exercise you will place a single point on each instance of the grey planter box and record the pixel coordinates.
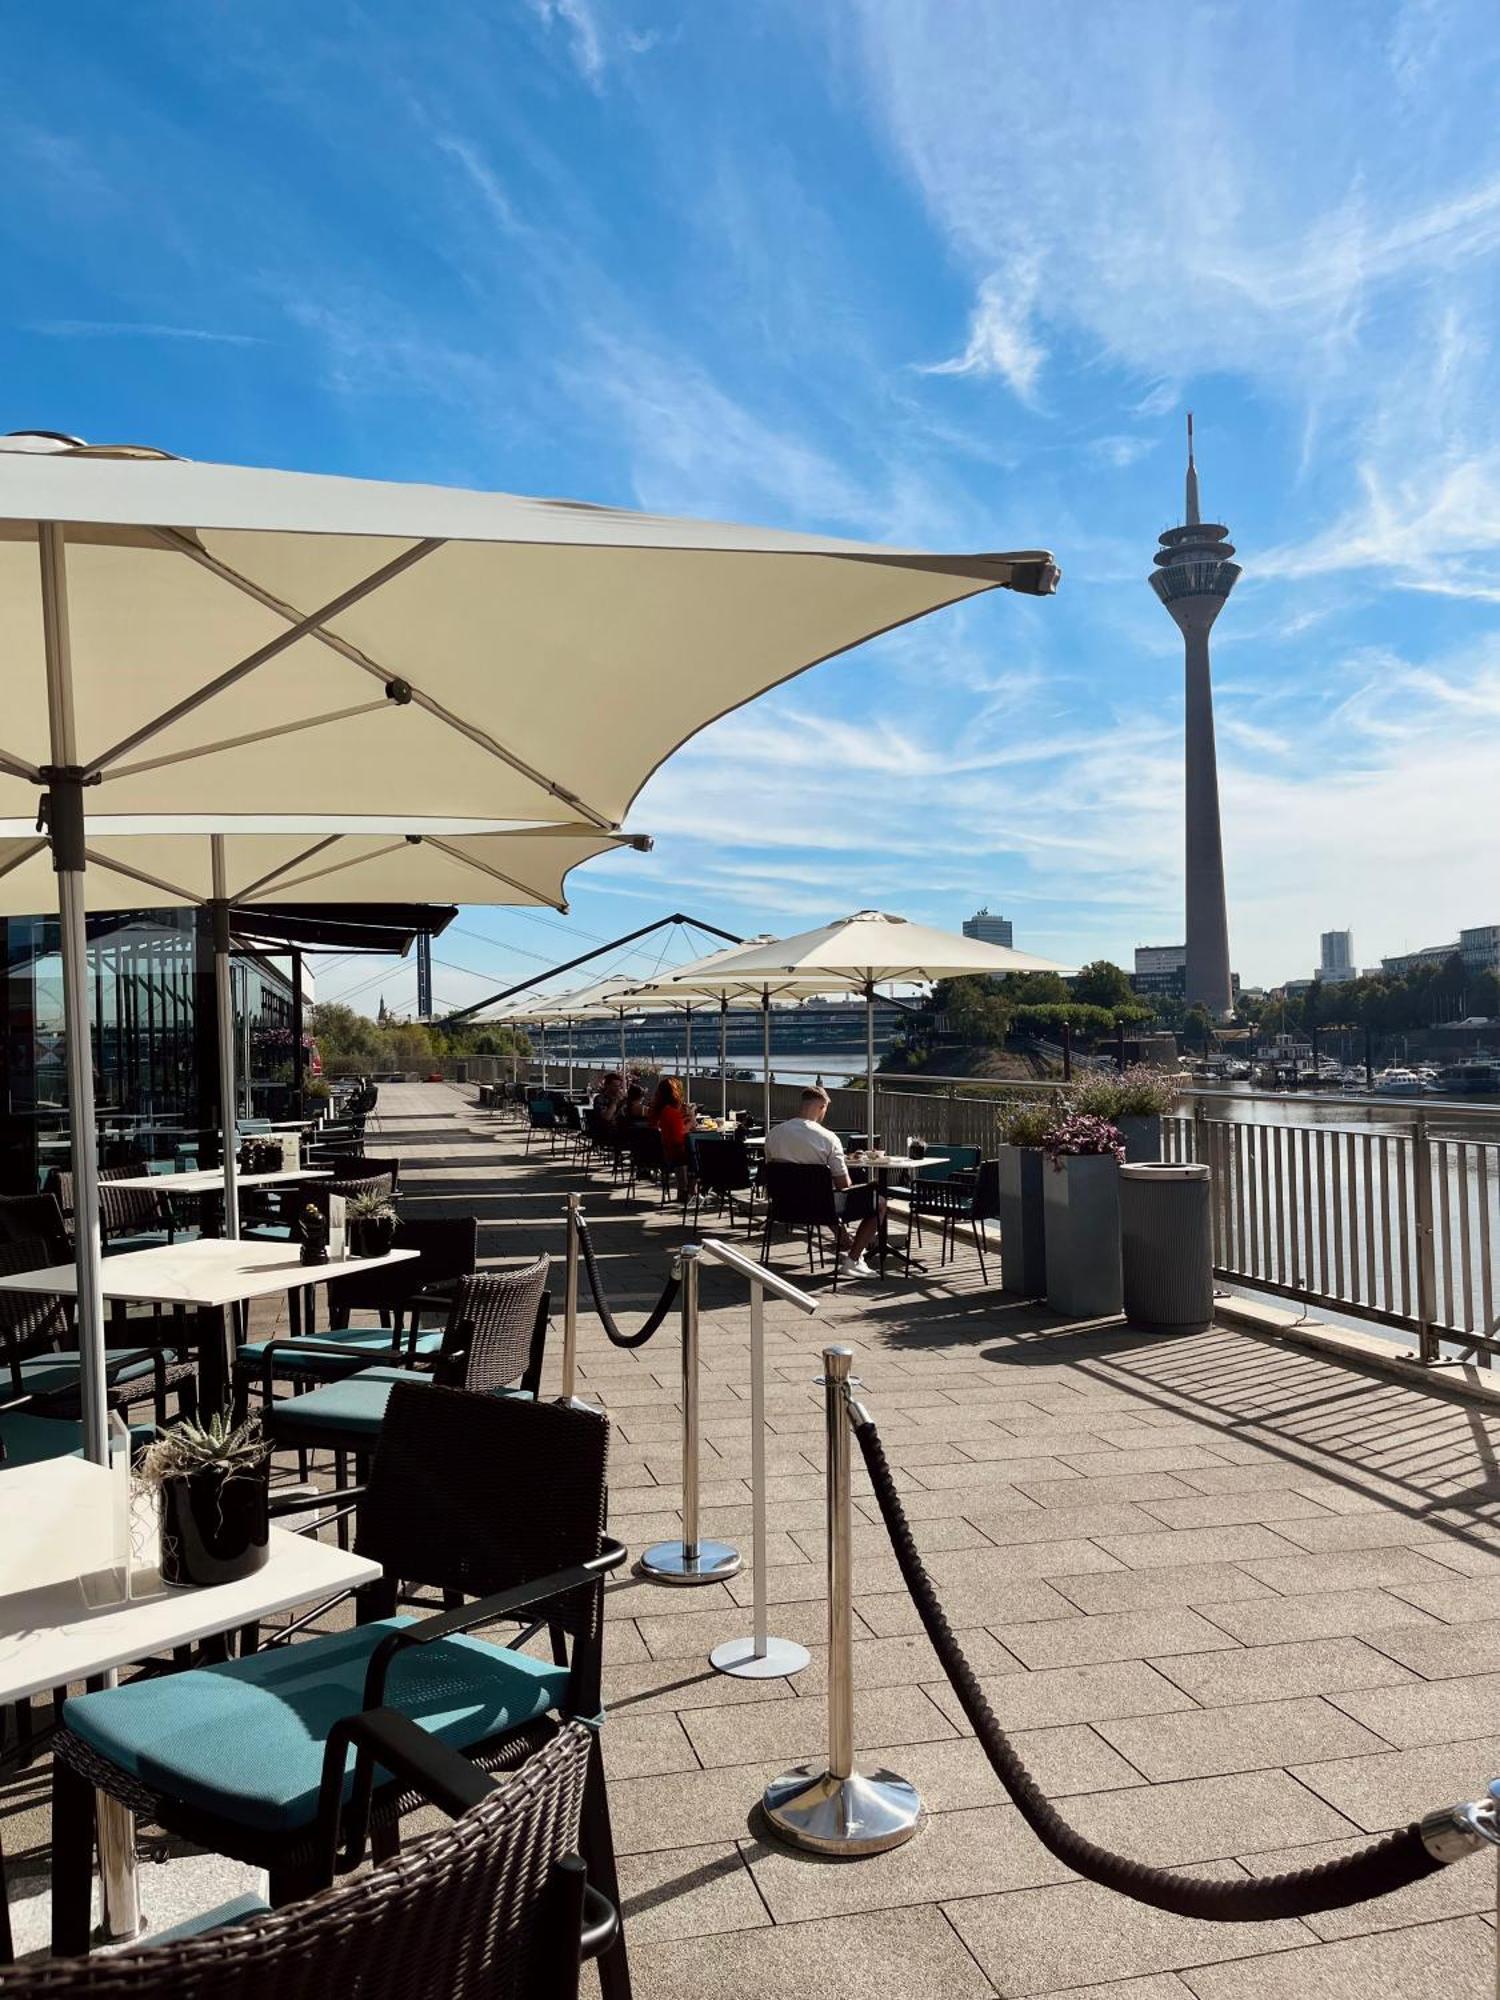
(1023, 1241)
(1081, 1202)
(1142, 1135)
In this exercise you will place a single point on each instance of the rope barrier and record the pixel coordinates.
(653, 1319)
(1386, 1865)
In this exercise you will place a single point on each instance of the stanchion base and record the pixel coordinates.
(739, 1657)
(669, 1562)
(865, 1813)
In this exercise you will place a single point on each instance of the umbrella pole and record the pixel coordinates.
(870, 1066)
(224, 996)
(570, 1058)
(65, 823)
(723, 1059)
(544, 1055)
(687, 1058)
(765, 1057)
(622, 1045)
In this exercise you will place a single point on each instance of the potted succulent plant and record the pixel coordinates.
(1023, 1243)
(212, 1483)
(372, 1223)
(1081, 1206)
(1135, 1100)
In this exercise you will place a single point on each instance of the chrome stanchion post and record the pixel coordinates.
(690, 1560)
(570, 1307)
(841, 1810)
(760, 1657)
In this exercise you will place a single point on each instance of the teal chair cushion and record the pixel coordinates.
(245, 1740)
(28, 1440)
(353, 1408)
(363, 1342)
(46, 1374)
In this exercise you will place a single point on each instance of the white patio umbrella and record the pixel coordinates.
(713, 978)
(541, 1013)
(255, 862)
(205, 638)
(872, 949)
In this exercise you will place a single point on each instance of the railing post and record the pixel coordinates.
(1421, 1165)
(841, 1810)
(760, 1657)
(690, 1560)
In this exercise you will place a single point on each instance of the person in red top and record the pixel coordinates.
(669, 1116)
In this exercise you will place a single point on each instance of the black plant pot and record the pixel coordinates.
(214, 1530)
(371, 1235)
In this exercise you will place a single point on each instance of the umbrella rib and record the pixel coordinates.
(185, 545)
(285, 867)
(484, 868)
(305, 627)
(115, 867)
(19, 768)
(238, 742)
(354, 861)
(19, 860)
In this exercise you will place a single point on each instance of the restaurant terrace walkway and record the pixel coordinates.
(1239, 1604)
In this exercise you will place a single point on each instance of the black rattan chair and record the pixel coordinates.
(493, 1906)
(540, 1117)
(724, 1171)
(800, 1196)
(39, 1352)
(471, 1496)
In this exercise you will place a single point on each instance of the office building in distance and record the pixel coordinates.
(1336, 958)
(989, 929)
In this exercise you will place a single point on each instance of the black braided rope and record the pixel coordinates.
(1388, 1864)
(653, 1318)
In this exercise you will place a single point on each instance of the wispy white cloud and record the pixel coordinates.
(585, 38)
(133, 329)
(1001, 337)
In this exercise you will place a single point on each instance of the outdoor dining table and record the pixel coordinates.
(882, 1166)
(65, 1616)
(211, 1274)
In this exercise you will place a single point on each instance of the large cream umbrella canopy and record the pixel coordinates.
(208, 638)
(873, 949)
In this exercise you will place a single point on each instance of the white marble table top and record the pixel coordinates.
(208, 1180)
(211, 1271)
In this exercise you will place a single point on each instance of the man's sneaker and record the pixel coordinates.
(854, 1267)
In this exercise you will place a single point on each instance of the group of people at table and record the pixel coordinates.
(801, 1141)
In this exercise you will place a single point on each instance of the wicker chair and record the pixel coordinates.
(469, 1496)
(494, 1906)
(123, 1212)
(494, 1343)
(724, 1171)
(40, 1353)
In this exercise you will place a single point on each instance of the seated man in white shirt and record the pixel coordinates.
(806, 1141)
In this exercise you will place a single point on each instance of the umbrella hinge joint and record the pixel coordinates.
(399, 692)
(60, 815)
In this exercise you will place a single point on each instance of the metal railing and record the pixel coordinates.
(1400, 1227)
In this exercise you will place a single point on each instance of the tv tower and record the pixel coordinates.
(1192, 577)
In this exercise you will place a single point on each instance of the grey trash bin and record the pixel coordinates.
(1166, 1247)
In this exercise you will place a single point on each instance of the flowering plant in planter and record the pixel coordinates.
(1137, 1092)
(1081, 1133)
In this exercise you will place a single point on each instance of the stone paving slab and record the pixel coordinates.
(1238, 1602)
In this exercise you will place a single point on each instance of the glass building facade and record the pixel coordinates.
(155, 1046)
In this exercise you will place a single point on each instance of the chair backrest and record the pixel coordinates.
(493, 1325)
(368, 1167)
(723, 1162)
(446, 1246)
(351, 1190)
(799, 1192)
(645, 1146)
(569, 1116)
(38, 1217)
(986, 1203)
(480, 1493)
(124, 1209)
(471, 1911)
(29, 1321)
(539, 1110)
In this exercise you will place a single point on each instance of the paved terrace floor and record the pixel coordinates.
(1239, 1604)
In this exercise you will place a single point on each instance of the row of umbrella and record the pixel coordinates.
(307, 663)
(859, 953)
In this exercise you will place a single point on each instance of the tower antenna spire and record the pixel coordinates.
(1193, 516)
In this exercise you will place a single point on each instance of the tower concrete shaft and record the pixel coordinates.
(1193, 577)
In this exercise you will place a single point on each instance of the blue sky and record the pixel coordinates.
(940, 272)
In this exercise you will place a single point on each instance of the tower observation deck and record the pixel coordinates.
(1194, 573)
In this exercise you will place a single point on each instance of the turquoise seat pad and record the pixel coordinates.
(245, 1740)
(354, 1407)
(46, 1374)
(363, 1342)
(29, 1440)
